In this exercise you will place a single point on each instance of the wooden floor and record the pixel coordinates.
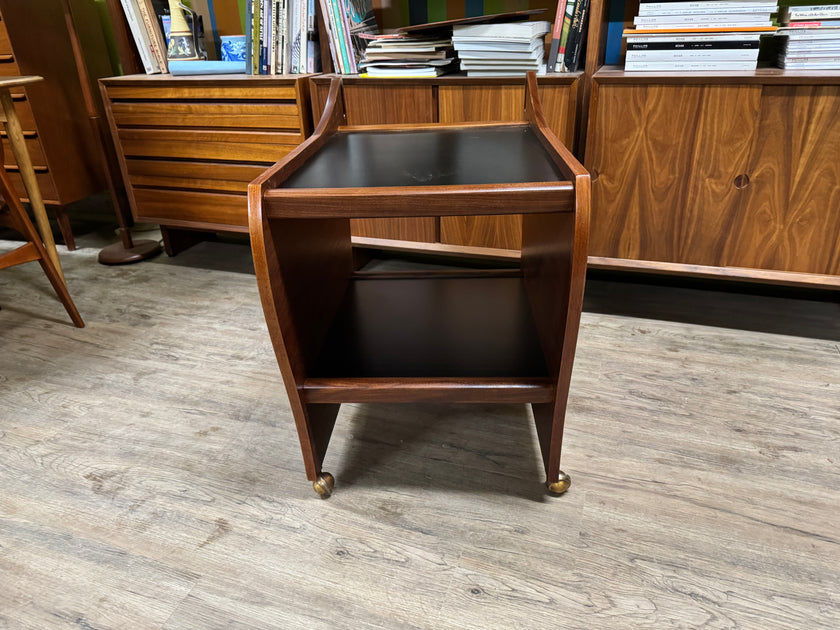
(150, 473)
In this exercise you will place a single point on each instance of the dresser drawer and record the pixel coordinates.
(198, 144)
(8, 66)
(221, 115)
(5, 44)
(165, 90)
(24, 113)
(200, 176)
(45, 182)
(168, 206)
(33, 145)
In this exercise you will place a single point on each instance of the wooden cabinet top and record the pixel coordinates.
(205, 79)
(449, 79)
(762, 76)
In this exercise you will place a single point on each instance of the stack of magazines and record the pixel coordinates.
(811, 37)
(501, 50)
(402, 55)
(698, 36)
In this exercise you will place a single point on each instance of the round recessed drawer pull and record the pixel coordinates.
(742, 181)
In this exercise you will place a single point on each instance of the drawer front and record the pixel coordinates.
(200, 176)
(201, 94)
(33, 145)
(24, 114)
(219, 146)
(5, 44)
(222, 115)
(163, 206)
(49, 192)
(8, 67)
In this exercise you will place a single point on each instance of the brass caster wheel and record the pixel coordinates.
(561, 485)
(324, 485)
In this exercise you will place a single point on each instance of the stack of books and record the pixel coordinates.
(276, 37)
(501, 50)
(280, 37)
(811, 37)
(698, 36)
(402, 55)
(349, 24)
(567, 36)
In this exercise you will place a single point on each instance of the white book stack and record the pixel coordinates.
(408, 56)
(501, 50)
(811, 37)
(698, 36)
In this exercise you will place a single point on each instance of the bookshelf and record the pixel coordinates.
(765, 212)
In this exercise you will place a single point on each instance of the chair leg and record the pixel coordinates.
(61, 289)
(14, 216)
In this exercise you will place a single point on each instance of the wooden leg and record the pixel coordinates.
(315, 428)
(65, 229)
(27, 173)
(13, 215)
(549, 419)
(61, 290)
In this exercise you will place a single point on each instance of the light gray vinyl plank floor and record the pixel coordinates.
(151, 476)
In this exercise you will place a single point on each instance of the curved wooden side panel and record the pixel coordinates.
(554, 250)
(302, 268)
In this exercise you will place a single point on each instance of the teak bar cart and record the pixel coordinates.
(342, 335)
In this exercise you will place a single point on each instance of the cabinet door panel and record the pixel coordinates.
(790, 218)
(481, 103)
(497, 103)
(374, 105)
(663, 188)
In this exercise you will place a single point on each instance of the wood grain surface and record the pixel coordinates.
(151, 475)
(750, 183)
(656, 199)
(788, 220)
(188, 146)
(493, 103)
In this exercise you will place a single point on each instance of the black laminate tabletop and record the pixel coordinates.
(467, 156)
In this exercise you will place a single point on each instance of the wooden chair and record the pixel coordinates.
(342, 335)
(13, 215)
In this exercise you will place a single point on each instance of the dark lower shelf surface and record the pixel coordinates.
(433, 327)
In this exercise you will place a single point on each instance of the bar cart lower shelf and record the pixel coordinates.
(343, 335)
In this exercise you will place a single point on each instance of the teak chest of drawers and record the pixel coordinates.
(55, 121)
(188, 146)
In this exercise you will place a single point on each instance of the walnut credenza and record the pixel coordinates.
(717, 175)
(189, 146)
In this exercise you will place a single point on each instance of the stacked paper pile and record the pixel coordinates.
(698, 36)
(407, 56)
(812, 37)
(500, 50)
